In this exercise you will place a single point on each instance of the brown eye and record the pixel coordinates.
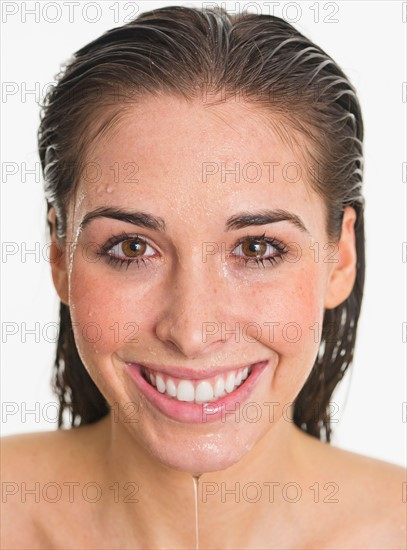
(133, 248)
(254, 248)
(129, 249)
(260, 249)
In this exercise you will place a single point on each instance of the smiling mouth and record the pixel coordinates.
(204, 390)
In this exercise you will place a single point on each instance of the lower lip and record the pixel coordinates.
(195, 413)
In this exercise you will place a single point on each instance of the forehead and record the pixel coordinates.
(173, 129)
(165, 151)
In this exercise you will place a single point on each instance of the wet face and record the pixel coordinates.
(198, 279)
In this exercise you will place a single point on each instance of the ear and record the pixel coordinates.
(58, 261)
(342, 274)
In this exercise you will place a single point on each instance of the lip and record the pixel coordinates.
(196, 413)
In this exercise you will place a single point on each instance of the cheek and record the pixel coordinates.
(289, 315)
(108, 310)
(286, 311)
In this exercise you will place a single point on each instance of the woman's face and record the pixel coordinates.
(189, 307)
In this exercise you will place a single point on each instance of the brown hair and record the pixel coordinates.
(190, 52)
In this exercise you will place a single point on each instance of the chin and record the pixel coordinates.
(202, 454)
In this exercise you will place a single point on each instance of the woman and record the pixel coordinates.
(203, 175)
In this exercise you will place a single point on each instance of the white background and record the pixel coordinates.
(368, 42)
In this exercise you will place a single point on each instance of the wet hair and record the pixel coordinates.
(213, 56)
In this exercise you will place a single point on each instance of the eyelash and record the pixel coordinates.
(120, 262)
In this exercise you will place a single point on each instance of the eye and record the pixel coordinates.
(130, 248)
(124, 250)
(260, 249)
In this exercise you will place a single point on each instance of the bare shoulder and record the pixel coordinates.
(379, 481)
(371, 495)
(379, 490)
(39, 472)
(32, 455)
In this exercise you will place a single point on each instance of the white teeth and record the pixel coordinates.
(219, 387)
(160, 384)
(230, 382)
(200, 392)
(171, 387)
(204, 391)
(185, 391)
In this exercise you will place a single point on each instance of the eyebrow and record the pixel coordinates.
(142, 219)
(264, 217)
(237, 221)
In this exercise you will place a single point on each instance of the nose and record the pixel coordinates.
(193, 319)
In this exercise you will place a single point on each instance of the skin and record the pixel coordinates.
(170, 300)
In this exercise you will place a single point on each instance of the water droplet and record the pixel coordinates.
(195, 479)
